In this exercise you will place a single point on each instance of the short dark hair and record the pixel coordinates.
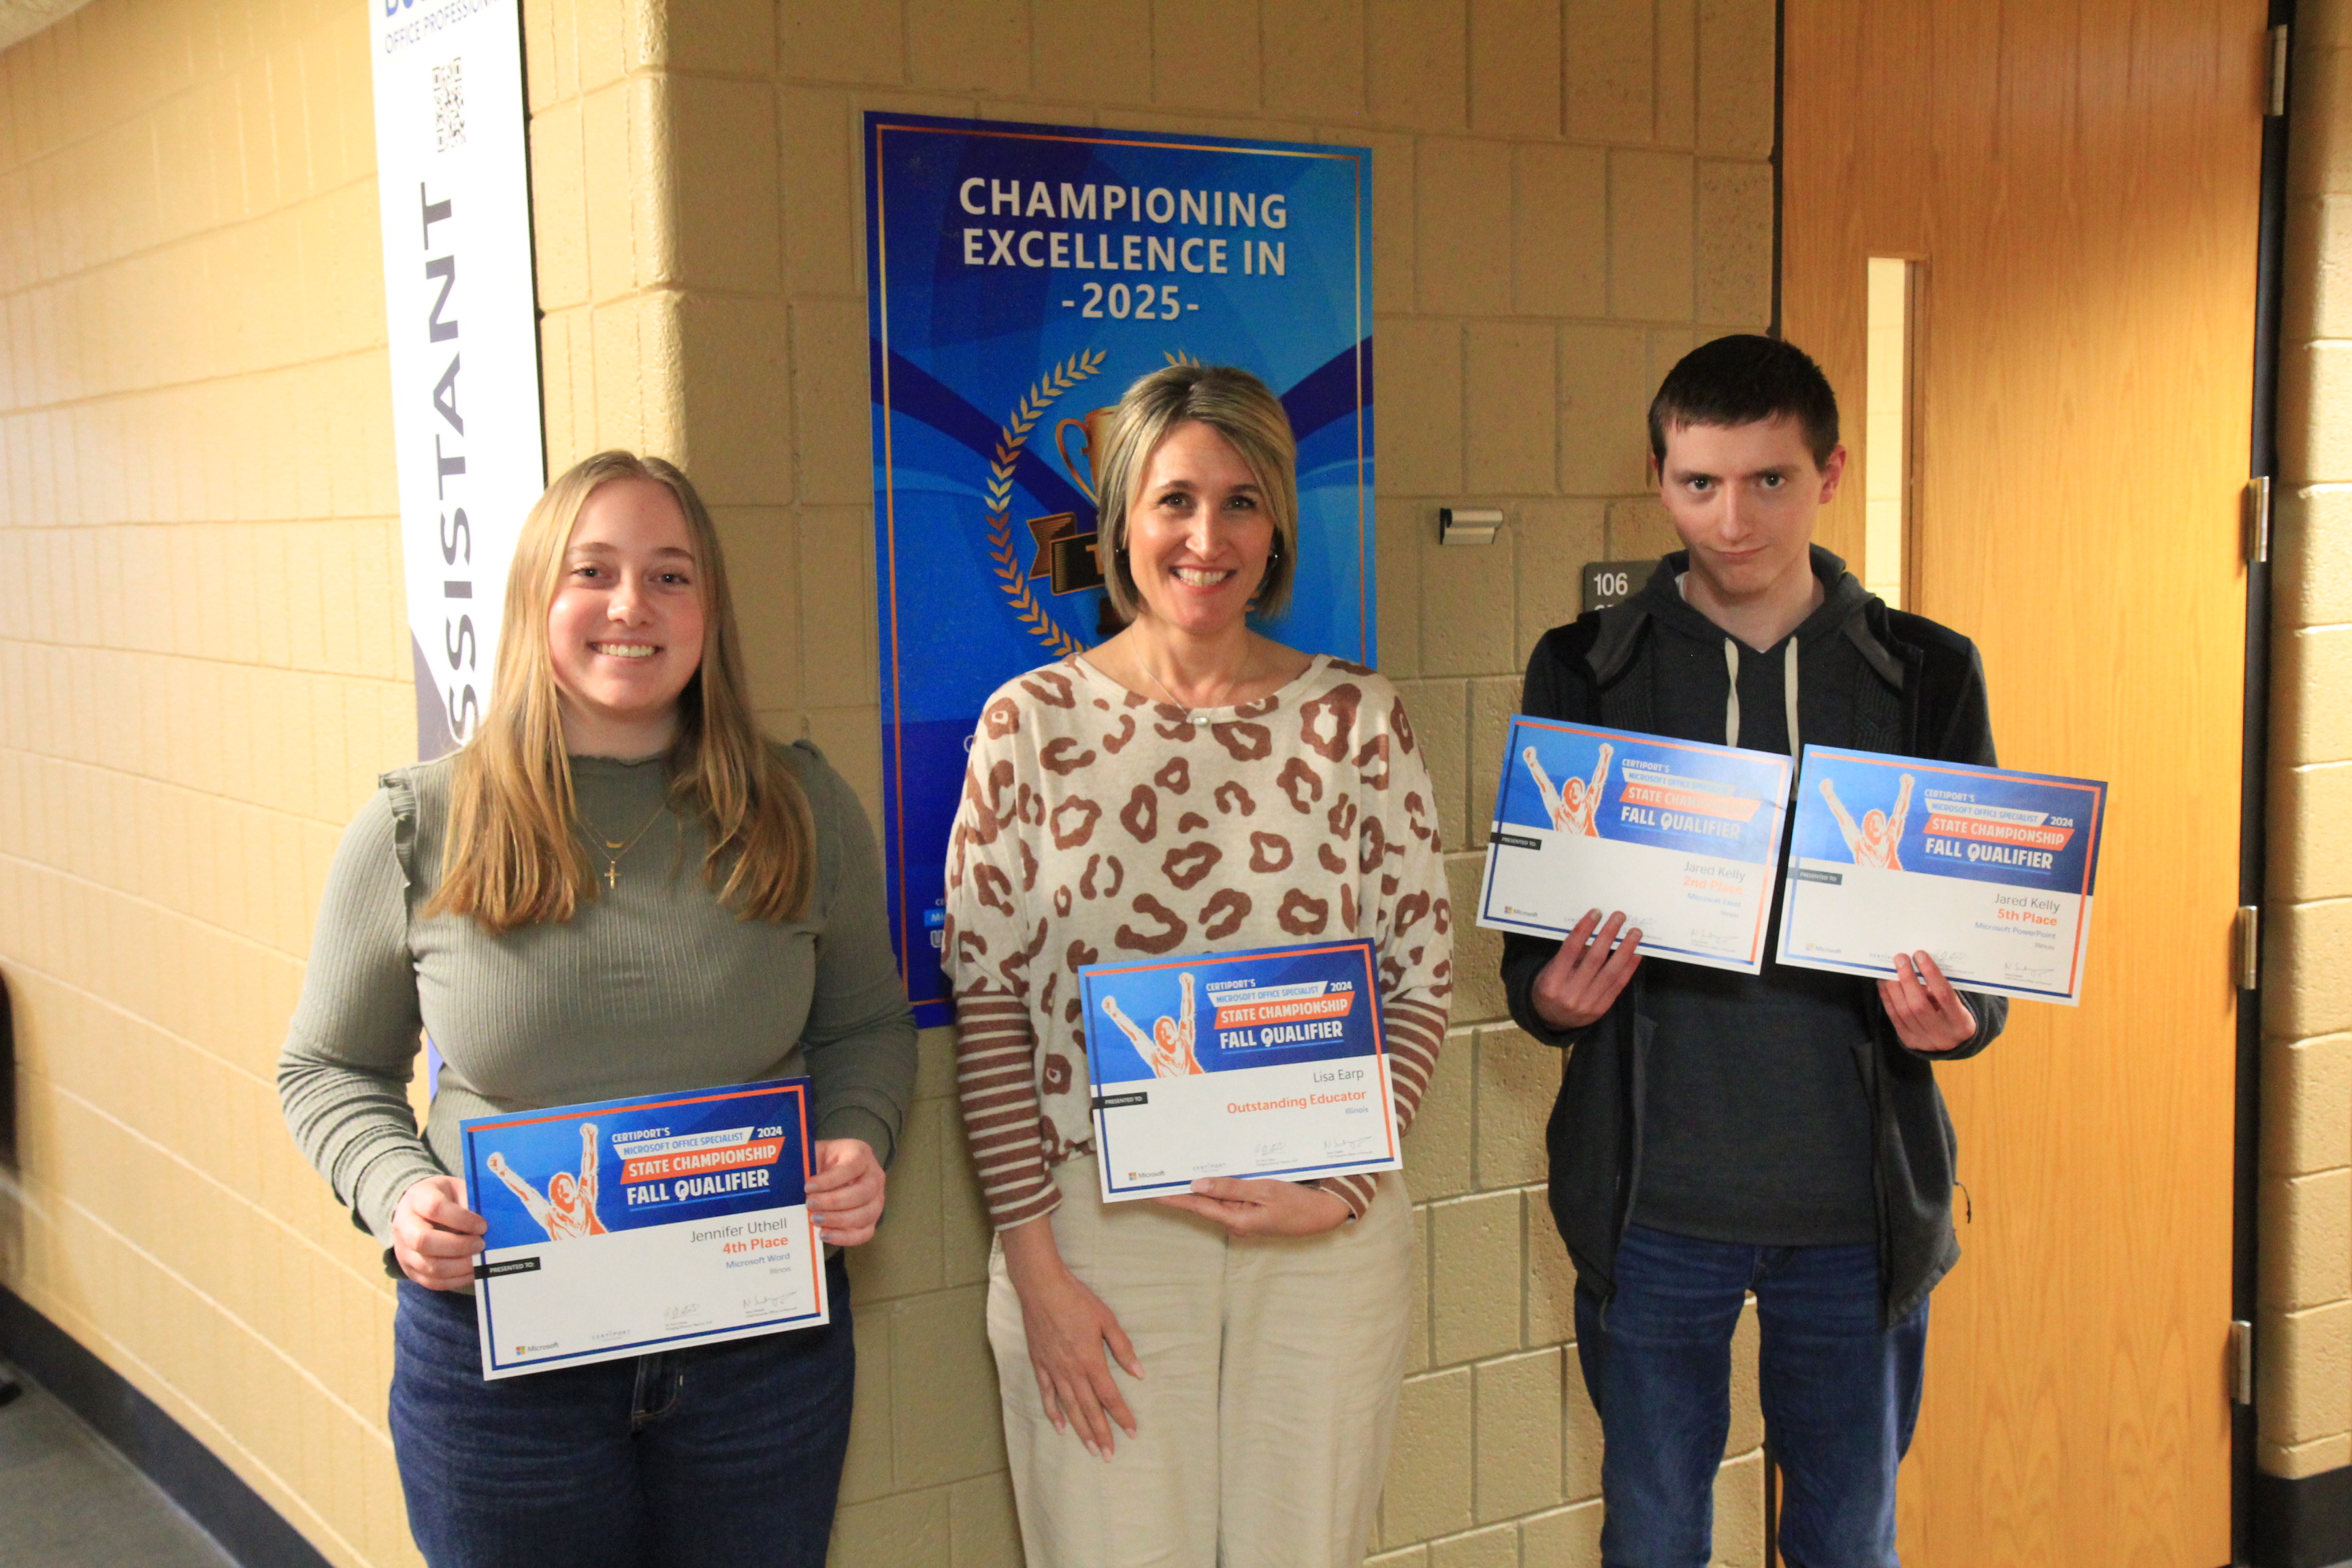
(1746, 379)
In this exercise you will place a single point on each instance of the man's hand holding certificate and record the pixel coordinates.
(1267, 1063)
(1989, 872)
(632, 1224)
(1682, 838)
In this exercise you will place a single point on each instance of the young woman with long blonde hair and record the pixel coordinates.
(617, 887)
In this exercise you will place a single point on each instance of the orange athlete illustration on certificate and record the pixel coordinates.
(1167, 1049)
(1873, 843)
(569, 1210)
(1573, 805)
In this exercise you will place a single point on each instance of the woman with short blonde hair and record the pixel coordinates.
(1190, 787)
(618, 887)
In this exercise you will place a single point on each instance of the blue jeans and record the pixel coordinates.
(1840, 1396)
(725, 1455)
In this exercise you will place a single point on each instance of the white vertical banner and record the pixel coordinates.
(454, 181)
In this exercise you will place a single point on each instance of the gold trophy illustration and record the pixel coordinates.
(1065, 551)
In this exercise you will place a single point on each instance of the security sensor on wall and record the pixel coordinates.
(1468, 524)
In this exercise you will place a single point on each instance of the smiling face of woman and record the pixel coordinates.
(624, 630)
(1198, 534)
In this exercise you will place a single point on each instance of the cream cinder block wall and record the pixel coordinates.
(202, 664)
(2304, 1332)
(202, 667)
(1567, 196)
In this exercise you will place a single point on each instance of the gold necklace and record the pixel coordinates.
(613, 848)
(1153, 676)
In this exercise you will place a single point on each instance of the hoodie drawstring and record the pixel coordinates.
(1788, 693)
(1731, 703)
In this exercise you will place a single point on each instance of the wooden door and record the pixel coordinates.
(2078, 180)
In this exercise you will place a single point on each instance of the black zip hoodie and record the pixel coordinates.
(1857, 674)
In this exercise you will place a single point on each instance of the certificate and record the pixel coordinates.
(1266, 1063)
(1683, 836)
(634, 1224)
(1990, 872)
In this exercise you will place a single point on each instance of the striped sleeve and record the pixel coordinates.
(1412, 924)
(996, 1081)
(986, 951)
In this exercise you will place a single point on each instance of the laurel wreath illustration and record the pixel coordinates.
(1010, 441)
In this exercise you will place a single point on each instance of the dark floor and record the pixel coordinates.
(69, 1501)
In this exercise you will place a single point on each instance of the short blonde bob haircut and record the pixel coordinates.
(1236, 406)
(513, 855)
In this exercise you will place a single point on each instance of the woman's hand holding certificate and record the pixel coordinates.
(434, 1237)
(1256, 1207)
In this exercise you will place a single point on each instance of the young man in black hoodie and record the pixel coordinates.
(1716, 1133)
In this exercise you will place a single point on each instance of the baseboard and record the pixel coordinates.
(190, 1475)
(2305, 1522)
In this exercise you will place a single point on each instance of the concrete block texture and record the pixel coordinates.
(2311, 553)
(2311, 668)
(1460, 634)
(2306, 1114)
(2306, 984)
(1441, 1149)
(1462, 190)
(1432, 1477)
(1517, 1434)
(1477, 951)
(1734, 244)
(1738, 51)
(969, 46)
(1478, 1267)
(2320, 162)
(2306, 1229)
(1559, 230)
(1611, 73)
(1508, 398)
(1515, 58)
(2303, 1368)
(1417, 63)
(1649, 234)
(1518, 1081)
(2307, 865)
(1498, 1547)
(2294, 1461)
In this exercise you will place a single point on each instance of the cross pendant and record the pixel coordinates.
(611, 875)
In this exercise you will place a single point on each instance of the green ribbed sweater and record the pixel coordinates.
(652, 986)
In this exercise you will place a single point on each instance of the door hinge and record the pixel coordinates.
(2242, 1362)
(2248, 962)
(2255, 520)
(2277, 104)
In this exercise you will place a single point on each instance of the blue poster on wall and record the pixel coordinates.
(1018, 277)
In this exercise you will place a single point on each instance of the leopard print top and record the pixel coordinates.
(1097, 822)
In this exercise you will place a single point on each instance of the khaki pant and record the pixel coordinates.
(1269, 1400)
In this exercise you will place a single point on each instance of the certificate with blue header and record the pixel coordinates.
(631, 1225)
(1990, 872)
(1265, 1063)
(1683, 836)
